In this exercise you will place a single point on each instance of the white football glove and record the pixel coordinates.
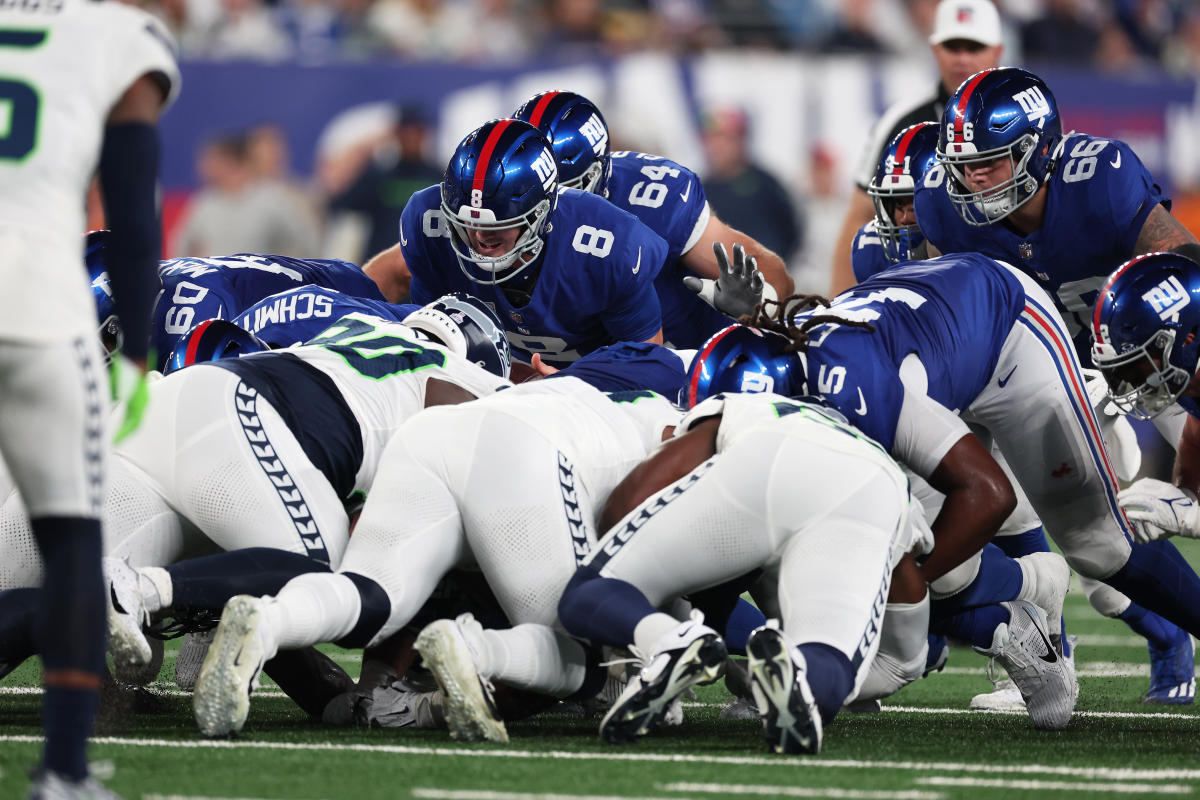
(1159, 509)
(739, 286)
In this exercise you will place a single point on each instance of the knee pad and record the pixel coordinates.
(1105, 599)
(956, 579)
(1100, 558)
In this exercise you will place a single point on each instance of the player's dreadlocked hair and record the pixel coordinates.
(782, 319)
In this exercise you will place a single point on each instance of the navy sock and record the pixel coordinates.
(975, 626)
(1157, 631)
(745, 618)
(373, 613)
(602, 610)
(1031, 541)
(830, 676)
(999, 579)
(69, 630)
(1158, 579)
(18, 612)
(207, 583)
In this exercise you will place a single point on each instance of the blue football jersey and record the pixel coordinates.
(299, 314)
(1096, 203)
(866, 253)
(196, 289)
(954, 313)
(669, 198)
(630, 366)
(595, 284)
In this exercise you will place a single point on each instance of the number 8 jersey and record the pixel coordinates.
(1097, 200)
(63, 65)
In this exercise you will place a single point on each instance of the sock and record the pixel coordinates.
(18, 610)
(745, 618)
(309, 677)
(602, 610)
(975, 626)
(1022, 544)
(311, 609)
(1160, 580)
(830, 677)
(999, 579)
(207, 583)
(533, 657)
(1156, 630)
(70, 629)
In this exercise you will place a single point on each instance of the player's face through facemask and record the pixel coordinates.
(493, 242)
(1142, 388)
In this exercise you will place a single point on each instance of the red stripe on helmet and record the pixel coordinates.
(543, 103)
(485, 154)
(194, 342)
(961, 109)
(902, 149)
(705, 351)
(1105, 289)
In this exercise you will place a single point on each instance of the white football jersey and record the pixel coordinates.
(63, 65)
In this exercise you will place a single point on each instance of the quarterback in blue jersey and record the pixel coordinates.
(908, 352)
(1066, 210)
(666, 196)
(299, 314)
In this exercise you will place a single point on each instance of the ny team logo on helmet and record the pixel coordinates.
(902, 168)
(1146, 332)
(213, 340)
(467, 326)
(743, 359)
(502, 176)
(995, 114)
(578, 135)
(111, 335)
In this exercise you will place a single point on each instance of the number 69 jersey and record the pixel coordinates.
(595, 285)
(63, 65)
(1097, 200)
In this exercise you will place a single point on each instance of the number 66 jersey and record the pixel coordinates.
(50, 145)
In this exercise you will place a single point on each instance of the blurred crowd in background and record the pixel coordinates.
(1108, 34)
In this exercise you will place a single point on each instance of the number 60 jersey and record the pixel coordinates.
(63, 65)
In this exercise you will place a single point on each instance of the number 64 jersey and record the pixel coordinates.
(63, 65)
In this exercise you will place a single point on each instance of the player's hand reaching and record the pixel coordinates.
(1159, 509)
(738, 287)
(129, 385)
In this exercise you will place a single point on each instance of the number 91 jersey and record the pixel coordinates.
(595, 284)
(1097, 200)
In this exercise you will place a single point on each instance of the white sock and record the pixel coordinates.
(311, 609)
(156, 588)
(651, 629)
(533, 657)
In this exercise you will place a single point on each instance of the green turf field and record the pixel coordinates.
(925, 744)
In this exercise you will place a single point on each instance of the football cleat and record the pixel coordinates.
(190, 658)
(49, 785)
(127, 617)
(470, 707)
(1172, 674)
(778, 675)
(1045, 679)
(231, 669)
(691, 654)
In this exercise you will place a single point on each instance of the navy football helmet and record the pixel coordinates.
(578, 135)
(901, 170)
(111, 336)
(467, 326)
(996, 114)
(212, 340)
(743, 359)
(1146, 332)
(501, 177)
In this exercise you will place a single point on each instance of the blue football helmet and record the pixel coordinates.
(501, 177)
(743, 359)
(467, 326)
(1004, 113)
(902, 168)
(111, 335)
(578, 135)
(212, 340)
(1146, 332)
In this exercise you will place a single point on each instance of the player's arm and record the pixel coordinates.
(701, 260)
(390, 272)
(1162, 232)
(676, 458)
(858, 213)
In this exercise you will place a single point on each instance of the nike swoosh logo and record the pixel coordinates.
(639, 262)
(1050, 656)
(403, 241)
(1116, 162)
(1004, 381)
(862, 404)
(237, 660)
(686, 194)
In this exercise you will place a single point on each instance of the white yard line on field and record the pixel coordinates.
(1058, 786)
(834, 792)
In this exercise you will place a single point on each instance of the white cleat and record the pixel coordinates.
(1047, 579)
(779, 680)
(127, 616)
(469, 706)
(1045, 679)
(1005, 697)
(52, 786)
(230, 672)
(190, 658)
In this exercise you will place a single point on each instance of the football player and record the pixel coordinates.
(297, 315)
(667, 197)
(1066, 210)
(565, 271)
